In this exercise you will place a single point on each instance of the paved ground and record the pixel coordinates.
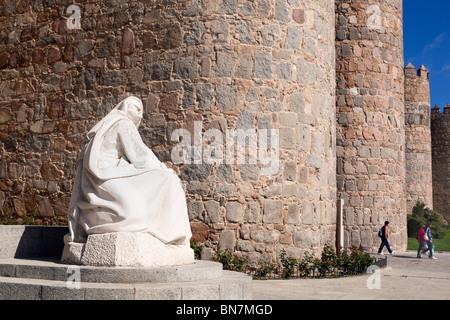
(405, 278)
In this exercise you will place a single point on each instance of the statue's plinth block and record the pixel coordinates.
(126, 249)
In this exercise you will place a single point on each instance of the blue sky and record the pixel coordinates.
(426, 33)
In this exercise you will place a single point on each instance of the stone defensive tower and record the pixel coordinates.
(371, 121)
(419, 185)
(440, 133)
(255, 70)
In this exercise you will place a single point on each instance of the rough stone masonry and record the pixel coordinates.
(213, 69)
(440, 142)
(371, 120)
(419, 180)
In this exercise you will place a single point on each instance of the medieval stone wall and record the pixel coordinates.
(419, 186)
(255, 104)
(371, 122)
(440, 133)
(260, 70)
(253, 69)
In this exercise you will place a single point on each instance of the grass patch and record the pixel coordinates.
(439, 244)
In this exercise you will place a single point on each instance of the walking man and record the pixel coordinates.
(429, 239)
(384, 234)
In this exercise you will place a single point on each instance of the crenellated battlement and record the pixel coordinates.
(417, 96)
(411, 72)
(437, 114)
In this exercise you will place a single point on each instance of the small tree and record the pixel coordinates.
(420, 216)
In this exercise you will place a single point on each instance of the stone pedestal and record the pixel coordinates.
(41, 274)
(126, 249)
(34, 279)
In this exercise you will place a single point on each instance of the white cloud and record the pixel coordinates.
(445, 67)
(436, 42)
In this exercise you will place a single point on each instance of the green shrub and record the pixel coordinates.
(229, 261)
(306, 265)
(288, 264)
(360, 258)
(197, 250)
(264, 270)
(350, 261)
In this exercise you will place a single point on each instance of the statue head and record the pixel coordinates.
(133, 108)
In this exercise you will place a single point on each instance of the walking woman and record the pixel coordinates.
(421, 240)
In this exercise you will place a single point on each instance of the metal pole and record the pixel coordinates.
(339, 226)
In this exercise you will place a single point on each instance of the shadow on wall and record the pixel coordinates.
(31, 241)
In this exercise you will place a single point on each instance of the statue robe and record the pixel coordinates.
(121, 186)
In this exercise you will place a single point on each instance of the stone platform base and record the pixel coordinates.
(126, 249)
(24, 279)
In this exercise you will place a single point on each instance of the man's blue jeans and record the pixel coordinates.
(430, 247)
(385, 242)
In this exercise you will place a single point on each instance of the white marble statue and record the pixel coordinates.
(122, 188)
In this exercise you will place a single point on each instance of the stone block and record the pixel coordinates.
(185, 68)
(269, 35)
(114, 78)
(200, 232)
(234, 212)
(249, 172)
(273, 211)
(72, 253)
(245, 67)
(227, 240)
(293, 213)
(212, 208)
(227, 96)
(282, 12)
(294, 38)
(195, 210)
(133, 249)
(117, 292)
(225, 65)
(297, 102)
(287, 138)
(265, 236)
(205, 95)
(19, 291)
(308, 213)
(303, 238)
(263, 65)
(304, 137)
(194, 291)
(220, 31)
(62, 292)
(252, 211)
(157, 292)
(160, 70)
